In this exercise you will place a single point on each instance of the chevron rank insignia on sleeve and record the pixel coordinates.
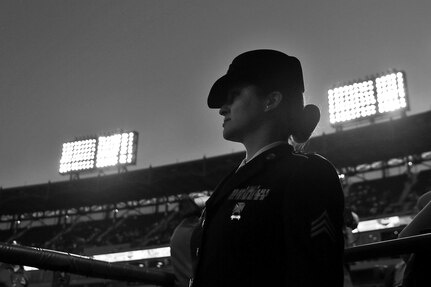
(323, 225)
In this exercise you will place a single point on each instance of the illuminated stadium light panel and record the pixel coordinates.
(78, 155)
(99, 152)
(367, 99)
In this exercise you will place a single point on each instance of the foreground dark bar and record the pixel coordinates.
(418, 243)
(81, 265)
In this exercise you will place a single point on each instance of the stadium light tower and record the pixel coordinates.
(378, 96)
(99, 152)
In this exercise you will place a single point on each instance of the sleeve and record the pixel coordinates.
(314, 225)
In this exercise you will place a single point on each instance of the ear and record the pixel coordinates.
(273, 100)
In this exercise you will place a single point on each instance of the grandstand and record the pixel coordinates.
(384, 167)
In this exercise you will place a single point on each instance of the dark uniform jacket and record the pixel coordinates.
(277, 221)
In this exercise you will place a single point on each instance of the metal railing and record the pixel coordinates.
(400, 246)
(87, 266)
(81, 265)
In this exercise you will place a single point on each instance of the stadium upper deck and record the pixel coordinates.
(381, 141)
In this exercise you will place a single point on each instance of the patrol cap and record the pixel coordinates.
(259, 66)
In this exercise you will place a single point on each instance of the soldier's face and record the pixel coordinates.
(243, 112)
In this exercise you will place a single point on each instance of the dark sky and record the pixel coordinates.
(77, 68)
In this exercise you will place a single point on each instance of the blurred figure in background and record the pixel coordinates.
(12, 275)
(351, 221)
(190, 208)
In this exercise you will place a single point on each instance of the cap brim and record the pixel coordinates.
(218, 92)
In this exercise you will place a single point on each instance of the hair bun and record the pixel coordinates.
(309, 119)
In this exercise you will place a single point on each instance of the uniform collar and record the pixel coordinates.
(262, 150)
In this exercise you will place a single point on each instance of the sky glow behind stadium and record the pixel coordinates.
(73, 68)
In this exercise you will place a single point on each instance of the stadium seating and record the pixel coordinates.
(372, 198)
(369, 199)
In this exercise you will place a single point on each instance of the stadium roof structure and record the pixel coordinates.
(381, 141)
(153, 182)
(377, 142)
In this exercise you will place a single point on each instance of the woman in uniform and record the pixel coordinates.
(277, 219)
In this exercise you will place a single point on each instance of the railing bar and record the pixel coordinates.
(81, 265)
(388, 248)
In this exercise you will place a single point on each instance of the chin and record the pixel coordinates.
(231, 136)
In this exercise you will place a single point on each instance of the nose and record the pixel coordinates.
(224, 110)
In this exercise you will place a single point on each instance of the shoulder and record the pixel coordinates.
(285, 159)
(287, 162)
(318, 176)
(314, 162)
